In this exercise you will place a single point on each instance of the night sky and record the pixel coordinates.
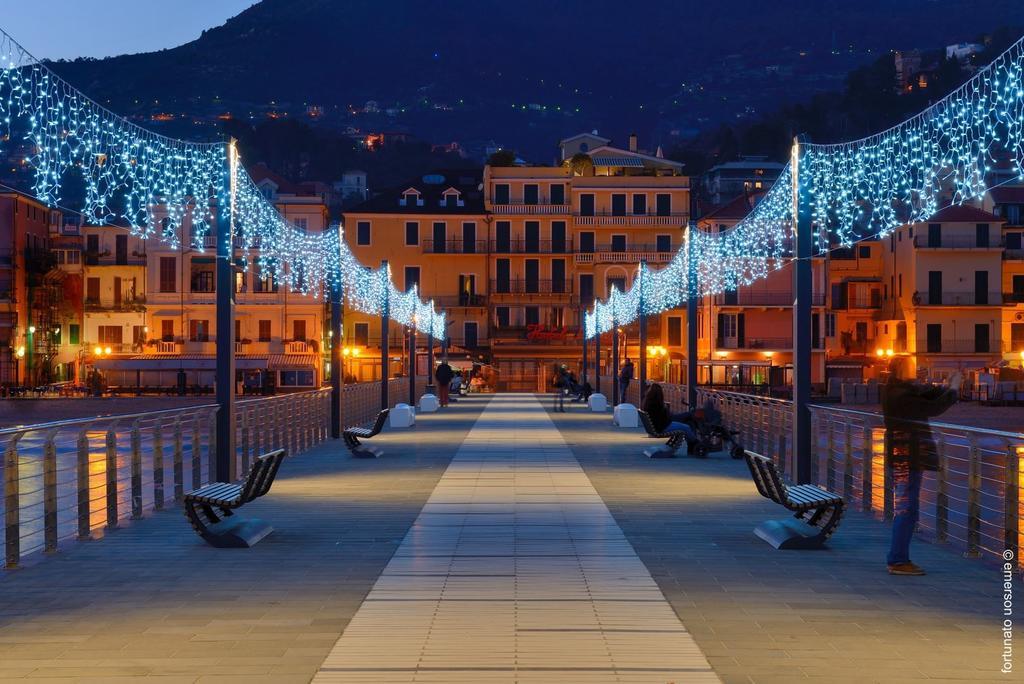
(71, 28)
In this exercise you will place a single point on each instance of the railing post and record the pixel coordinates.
(50, 492)
(867, 469)
(12, 504)
(412, 365)
(82, 484)
(1011, 504)
(197, 453)
(973, 498)
(848, 462)
(136, 444)
(941, 491)
(179, 470)
(111, 475)
(158, 465)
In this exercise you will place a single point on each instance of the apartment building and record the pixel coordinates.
(30, 292)
(561, 236)
(433, 232)
(154, 307)
(943, 292)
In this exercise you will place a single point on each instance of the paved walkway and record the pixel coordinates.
(515, 571)
(497, 543)
(767, 616)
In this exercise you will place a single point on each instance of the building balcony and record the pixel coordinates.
(110, 348)
(970, 346)
(518, 286)
(607, 219)
(454, 247)
(756, 343)
(633, 254)
(776, 298)
(955, 242)
(1013, 254)
(519, 208)
(958, 298)
(519, 246)
(461, 301)
(858, 304)
(108, 260)
(137, 304)
(1013, 298)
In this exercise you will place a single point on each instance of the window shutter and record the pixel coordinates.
(740, 331)
(720, 334)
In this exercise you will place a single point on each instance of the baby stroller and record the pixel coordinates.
(714, 436)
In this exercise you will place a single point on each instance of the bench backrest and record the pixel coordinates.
(645, 418)
(378, 424)
(766, 477)
(261, 475)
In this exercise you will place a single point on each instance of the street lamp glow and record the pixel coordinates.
(21, 352)
(98, 351)
(32, 329)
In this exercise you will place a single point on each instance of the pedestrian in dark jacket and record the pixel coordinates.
(444, 376)
(907, 406)
(625, 377)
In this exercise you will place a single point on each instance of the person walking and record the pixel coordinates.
(444, 376)
(625, 377)
(906, 407)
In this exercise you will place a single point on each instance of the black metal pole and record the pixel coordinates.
(225, 315)
(597, 361)
(802, 343)
(430, 354)
(337, 360)
(583, 370)
(691, 323)
(412, 366)
(643, 337)
(385, 314)
(615, 362)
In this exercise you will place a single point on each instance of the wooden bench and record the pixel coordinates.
(817, 511)
(210, 509)
(675, 440)
(352, 436)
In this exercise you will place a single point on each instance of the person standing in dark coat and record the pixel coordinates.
(906, 407)
(625, 377)
(444, 376)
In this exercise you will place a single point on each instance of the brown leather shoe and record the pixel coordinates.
(906, 569)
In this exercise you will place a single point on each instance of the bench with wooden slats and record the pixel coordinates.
(817, 511)
(352, 436)
(675, 440)
(210, 509)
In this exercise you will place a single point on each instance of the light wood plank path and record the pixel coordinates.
(515, 571)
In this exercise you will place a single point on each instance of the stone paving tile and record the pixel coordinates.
(764, 616)
(152, 600)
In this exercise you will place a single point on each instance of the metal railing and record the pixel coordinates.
(955, 242)
(525, 246)
(970, 346)
(763, 298)
(958, 298)
(76, 479)
(529, 286)
(523, 208)
(972, 503)
(455, 246)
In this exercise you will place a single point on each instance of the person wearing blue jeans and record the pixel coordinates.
(661, 419)
(907, 406)
(906, 483)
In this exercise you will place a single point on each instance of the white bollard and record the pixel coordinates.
(625, 415)
(402, 416)
(428, 403)
(597, 403)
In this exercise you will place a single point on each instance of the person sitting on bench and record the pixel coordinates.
(663, 421)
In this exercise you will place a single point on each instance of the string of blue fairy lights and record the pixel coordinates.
(862, 189)
(157, 185)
